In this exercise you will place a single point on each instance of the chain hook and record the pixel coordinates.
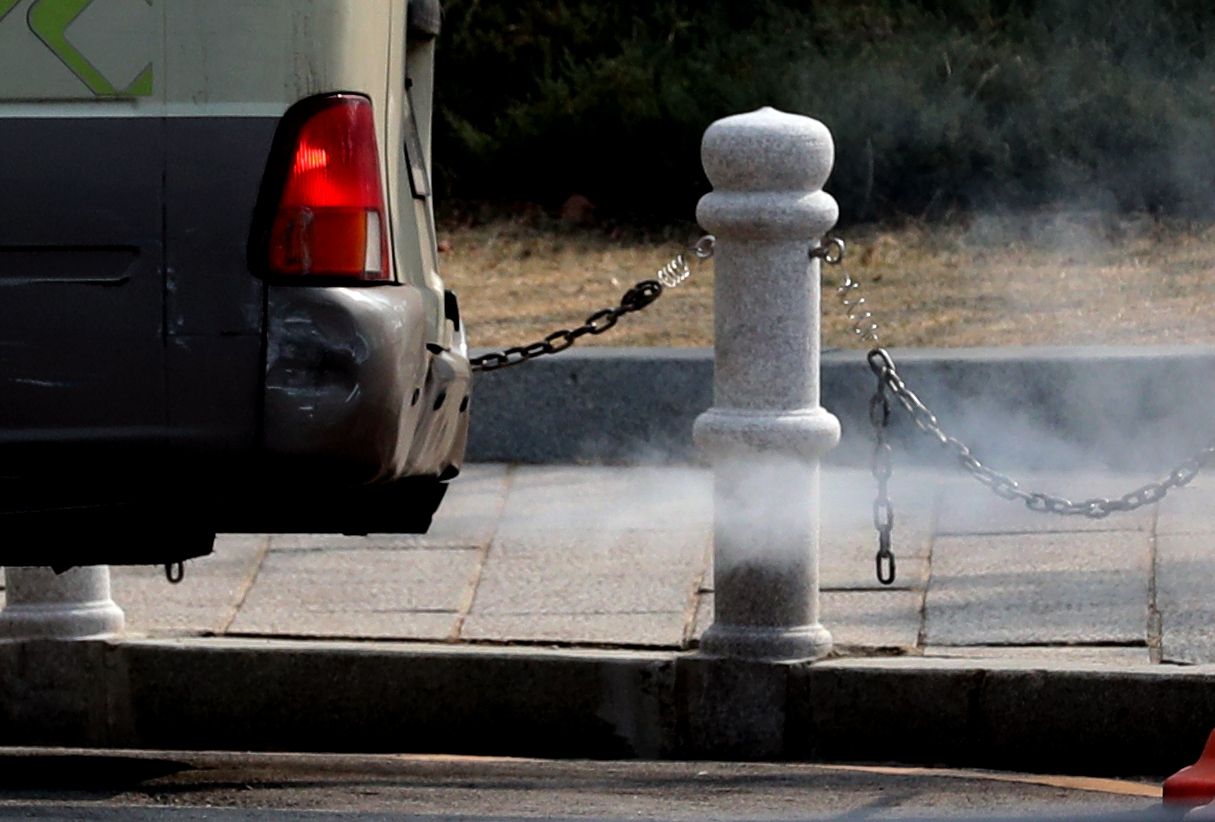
(831, 251)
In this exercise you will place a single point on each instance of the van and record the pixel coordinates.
(220, 305)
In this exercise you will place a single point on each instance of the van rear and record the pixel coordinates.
(220, 307)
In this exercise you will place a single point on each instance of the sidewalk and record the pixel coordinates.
(621, 556)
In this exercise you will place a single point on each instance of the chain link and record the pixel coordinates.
(883, 367)
(635, 299)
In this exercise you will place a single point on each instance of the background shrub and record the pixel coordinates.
(937, 107)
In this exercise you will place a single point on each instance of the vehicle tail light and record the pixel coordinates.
(330, 219)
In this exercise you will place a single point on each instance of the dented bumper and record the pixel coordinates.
(353, 393)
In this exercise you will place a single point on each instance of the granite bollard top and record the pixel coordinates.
(767, 150)
(768, 168)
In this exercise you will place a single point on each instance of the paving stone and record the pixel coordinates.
(1188, 510)
(528, 590)
(604, 498)
(202, 602)
(1185, 582)
(873, 619)
(365, 593)
(970, 508)
(296, 543)
(660, 628)
(575, 572)
(471, 509)
(315, 622)
(1039, 588)
(1053, 654)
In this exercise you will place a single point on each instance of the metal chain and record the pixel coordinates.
(1094, 508)
(890, 382)
(636, 298)
(882, 466)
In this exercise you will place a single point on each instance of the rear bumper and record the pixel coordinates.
(353, 393)
(361, 424)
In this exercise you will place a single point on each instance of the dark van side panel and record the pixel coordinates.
(81, 289)
(213, 306)
(214, 169)
(130, 326)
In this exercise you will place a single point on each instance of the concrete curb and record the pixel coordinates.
(1120, 408)
(265, 695)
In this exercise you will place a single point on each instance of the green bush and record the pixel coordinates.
(936, 107)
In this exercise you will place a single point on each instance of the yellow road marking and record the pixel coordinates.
(1075, 783)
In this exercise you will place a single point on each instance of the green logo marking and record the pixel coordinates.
(49, 20)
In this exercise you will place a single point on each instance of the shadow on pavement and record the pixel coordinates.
(21, 775)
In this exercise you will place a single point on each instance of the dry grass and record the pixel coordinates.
(1057, 279)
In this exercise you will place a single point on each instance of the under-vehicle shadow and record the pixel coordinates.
(26, 776)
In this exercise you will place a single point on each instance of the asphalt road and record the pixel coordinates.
(49, 786)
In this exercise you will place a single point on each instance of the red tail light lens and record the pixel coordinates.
(330, 220)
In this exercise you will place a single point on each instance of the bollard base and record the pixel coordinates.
(802, 642)
(92, 620)
(76, 604)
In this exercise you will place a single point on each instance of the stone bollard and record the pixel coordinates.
(766, 430)
(40, 604)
